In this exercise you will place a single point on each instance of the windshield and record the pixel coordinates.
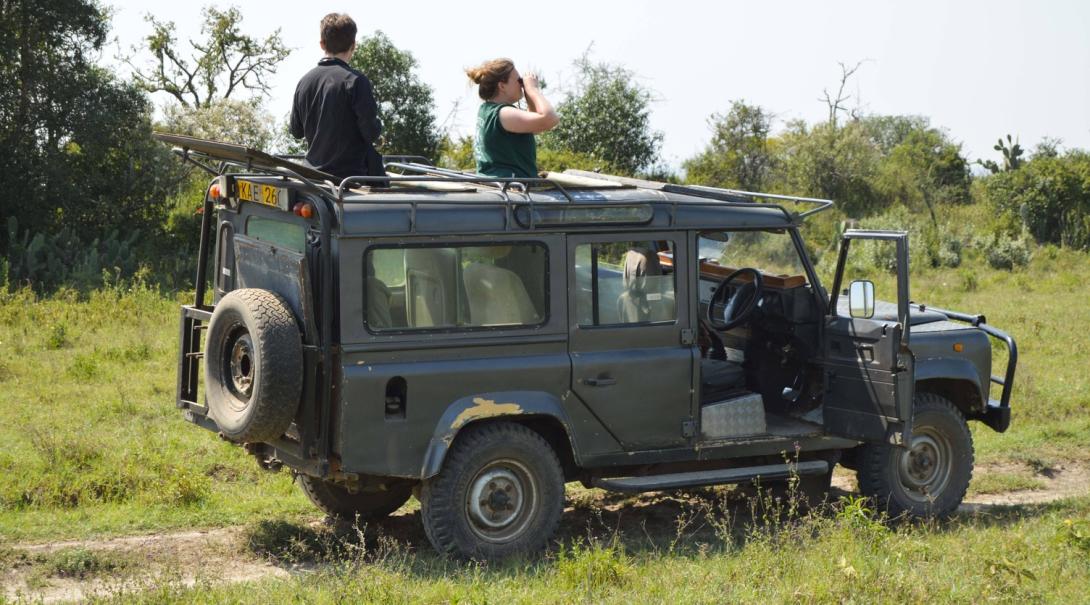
(771, 252)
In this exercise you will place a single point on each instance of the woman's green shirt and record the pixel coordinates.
(501, 153)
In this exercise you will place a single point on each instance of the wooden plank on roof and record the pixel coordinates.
(565, 179)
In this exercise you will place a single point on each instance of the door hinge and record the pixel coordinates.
(688, 428)
(687, 337)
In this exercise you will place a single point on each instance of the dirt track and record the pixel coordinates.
(221, 555)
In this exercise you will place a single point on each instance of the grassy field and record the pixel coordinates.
(93, 444)
(1036, 554)
(94, 447)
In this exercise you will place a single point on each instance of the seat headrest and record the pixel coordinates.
(639, 264)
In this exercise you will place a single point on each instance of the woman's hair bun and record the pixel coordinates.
(488, 75)
(475, 74)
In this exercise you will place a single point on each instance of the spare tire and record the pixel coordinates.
(253, 370)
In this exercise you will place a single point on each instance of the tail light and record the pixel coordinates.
(303, 209)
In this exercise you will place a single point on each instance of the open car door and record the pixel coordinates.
(868, 367)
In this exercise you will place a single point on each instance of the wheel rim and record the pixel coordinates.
(925, 467)
(501, 501)
(240, 368)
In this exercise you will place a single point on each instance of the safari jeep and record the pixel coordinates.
(479, 342)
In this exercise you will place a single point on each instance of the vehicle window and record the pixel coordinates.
(771, 252)
(623, 283)
(455, 286)
(280, 233)
(864, 257)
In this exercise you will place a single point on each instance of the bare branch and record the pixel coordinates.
(224, 60)
(837, 104)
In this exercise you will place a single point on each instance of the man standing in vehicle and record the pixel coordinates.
(334, 107)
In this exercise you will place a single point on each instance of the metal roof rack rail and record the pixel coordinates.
(206, 154)
(726, 195)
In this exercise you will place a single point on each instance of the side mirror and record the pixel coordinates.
(861, 299)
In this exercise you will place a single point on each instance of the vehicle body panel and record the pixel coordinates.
(636, 378)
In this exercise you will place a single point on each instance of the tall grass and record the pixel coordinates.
(92, 441)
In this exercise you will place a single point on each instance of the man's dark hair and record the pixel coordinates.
(338, 33)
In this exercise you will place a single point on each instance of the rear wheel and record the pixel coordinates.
(341, 504)
(500, 493)
(929, 478)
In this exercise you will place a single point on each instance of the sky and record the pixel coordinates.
(979, 69)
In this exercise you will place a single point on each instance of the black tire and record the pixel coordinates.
(253, 370)
(930, 478)
(500, 494)
(337, 502)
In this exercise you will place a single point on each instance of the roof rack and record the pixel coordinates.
(203, 153)
(715, 193)
(195, 150)
(428, 173)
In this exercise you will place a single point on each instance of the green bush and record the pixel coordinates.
(57, 337)
(1004, 252)
(1049, 196)
(81, 563)
(66, 259)
(929, 245)
(594, 566)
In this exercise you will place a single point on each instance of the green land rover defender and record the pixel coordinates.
(478, 342)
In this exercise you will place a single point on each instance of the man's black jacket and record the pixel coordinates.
(335, 110)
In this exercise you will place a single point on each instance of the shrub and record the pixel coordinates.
(183, 486)
(946, 252)
(969, 282)
(1049, 196)
(1076, 533)
(1003, 252)
(81, 563)
(57, 337)
(594, 566)
(285, 542)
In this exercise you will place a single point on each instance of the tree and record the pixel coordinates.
(406, 103)
(838, 163)
(457, 154)
(608, 117)
(224, 63)
(838, 103)
(739, 154)
(227, 120)
(77, 147)
(888, 132)
(924, 169)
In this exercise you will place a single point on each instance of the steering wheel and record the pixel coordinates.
(741, 304)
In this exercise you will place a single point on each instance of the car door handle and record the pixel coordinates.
(601, 381)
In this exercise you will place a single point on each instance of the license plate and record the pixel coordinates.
(262, 194)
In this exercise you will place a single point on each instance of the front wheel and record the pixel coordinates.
(500, 493)
(928, 478)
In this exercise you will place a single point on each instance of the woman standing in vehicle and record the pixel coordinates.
(505, 145)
